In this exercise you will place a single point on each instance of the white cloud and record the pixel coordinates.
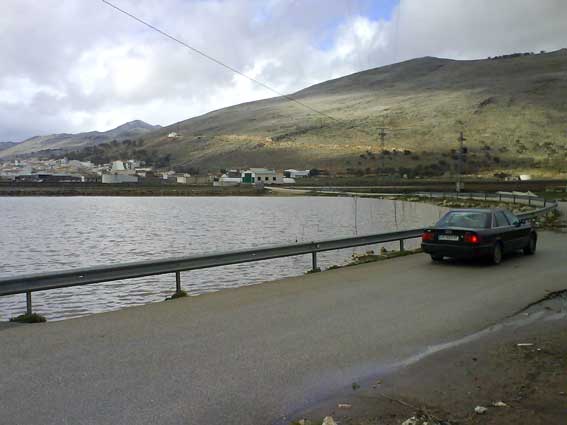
(24, 91)
(72, 65)
(476, 29)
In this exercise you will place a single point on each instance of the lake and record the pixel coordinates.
(40, 234)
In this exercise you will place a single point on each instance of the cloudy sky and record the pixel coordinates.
(79, 65)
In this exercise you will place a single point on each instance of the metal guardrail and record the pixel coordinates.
(544, 204)
(86, 276)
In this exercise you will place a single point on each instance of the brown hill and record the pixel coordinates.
(511, 109)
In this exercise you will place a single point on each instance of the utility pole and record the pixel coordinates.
(460, 157)
(382, 135)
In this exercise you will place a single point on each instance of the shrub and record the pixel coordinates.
(29, 318)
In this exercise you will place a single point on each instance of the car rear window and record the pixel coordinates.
(466, 219)
(501, 220)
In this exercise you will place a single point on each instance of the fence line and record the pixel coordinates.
(26, 284)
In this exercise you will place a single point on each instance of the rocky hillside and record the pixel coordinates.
(7, 145)
(62, 143)
(511, 109)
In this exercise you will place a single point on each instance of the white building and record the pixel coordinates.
(194, 180)
(128, 166)
(118, 166)
(119, 178)
(294, 174)
(262, 175)
(225, 180)
(183, 179)
(143, 171)
(169, 176)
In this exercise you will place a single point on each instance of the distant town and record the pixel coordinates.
(134, 171)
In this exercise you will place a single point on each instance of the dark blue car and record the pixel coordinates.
(479, 233)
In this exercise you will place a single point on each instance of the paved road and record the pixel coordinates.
(250, 355)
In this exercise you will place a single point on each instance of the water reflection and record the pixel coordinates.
(46, 234)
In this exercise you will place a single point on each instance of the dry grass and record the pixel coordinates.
(513, 106)
(511, 110)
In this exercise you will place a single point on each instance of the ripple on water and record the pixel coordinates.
(52, 234)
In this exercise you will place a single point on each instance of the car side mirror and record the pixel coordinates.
(518, 223)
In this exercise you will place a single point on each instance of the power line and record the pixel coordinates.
(236, 71)
(218, 62)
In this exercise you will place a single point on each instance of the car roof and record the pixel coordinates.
(485, 210)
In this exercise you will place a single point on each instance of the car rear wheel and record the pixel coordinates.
(497, 254)
(436, 258)
(530, 248)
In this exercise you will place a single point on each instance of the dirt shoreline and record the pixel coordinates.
(446, 386)
(77, 189)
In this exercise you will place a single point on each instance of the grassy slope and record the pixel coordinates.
(497, 102)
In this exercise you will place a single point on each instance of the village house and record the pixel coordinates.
(263, 175)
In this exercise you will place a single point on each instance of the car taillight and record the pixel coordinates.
(471, 238)
(427, 236)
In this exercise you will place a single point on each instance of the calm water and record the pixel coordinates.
(47, 234)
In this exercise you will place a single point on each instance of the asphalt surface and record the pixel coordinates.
(251, 355)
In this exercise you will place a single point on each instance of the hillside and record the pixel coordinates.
(512, 111)
(7, 145)
(61, 143)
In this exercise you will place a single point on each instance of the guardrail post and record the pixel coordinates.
(499, 197)
(530, 202)
(28, 303)
(314, 261)
(401, 245)
(177, 282)
(545, 203)
(513, 199)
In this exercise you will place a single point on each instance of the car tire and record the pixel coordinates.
(530, 248)
(436, 258)
(496, 258)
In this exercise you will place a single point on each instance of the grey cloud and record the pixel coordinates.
(53, 44)
(480, 28)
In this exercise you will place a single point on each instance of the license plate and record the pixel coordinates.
(448, 237)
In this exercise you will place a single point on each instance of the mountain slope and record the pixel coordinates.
(512, 110)
(7, 145)
(69, 142)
